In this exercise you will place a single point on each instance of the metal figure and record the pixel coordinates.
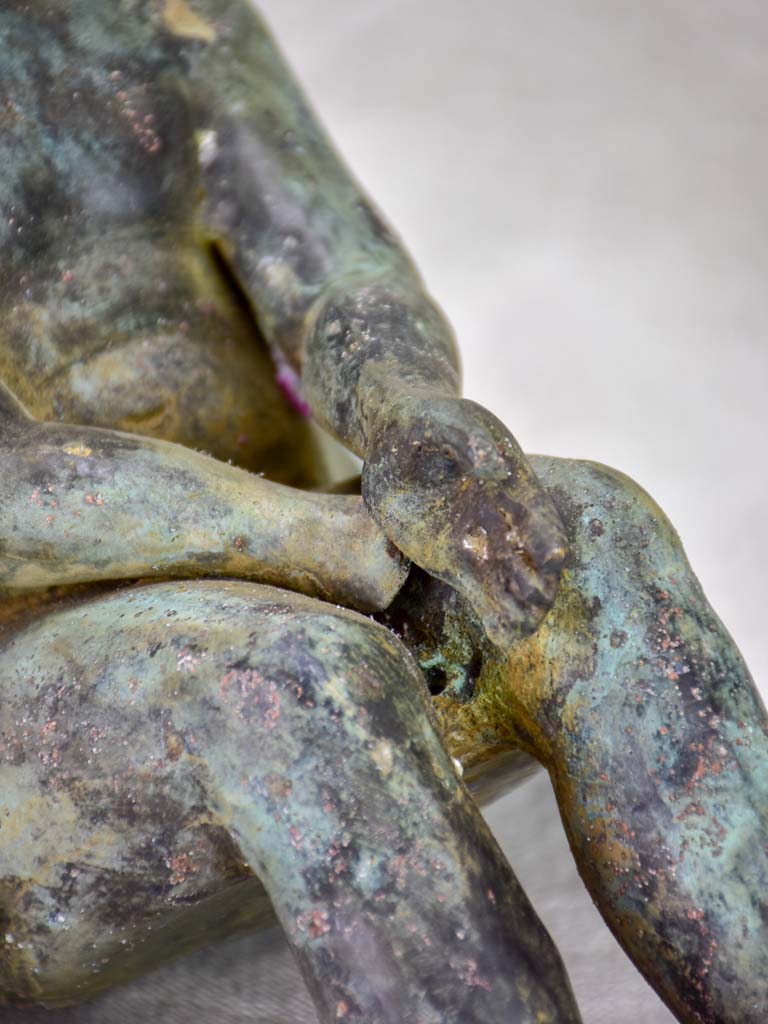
(194, 736)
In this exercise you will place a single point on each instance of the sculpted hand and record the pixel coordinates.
(451, 486)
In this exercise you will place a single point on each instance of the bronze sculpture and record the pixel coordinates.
(650, 627)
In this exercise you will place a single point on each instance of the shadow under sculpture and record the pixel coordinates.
(185, 749)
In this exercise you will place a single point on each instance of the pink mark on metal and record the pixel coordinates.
(289, 383)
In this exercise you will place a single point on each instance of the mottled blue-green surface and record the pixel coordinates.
(191, 741)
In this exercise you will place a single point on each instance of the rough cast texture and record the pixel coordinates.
(148, 143)
(178, 757)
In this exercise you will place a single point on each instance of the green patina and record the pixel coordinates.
(195, 735)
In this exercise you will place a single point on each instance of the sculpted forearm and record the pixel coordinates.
(80, 504)
(336, 294)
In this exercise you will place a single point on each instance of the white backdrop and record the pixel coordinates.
(583, 183)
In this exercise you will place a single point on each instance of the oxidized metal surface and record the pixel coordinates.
(225, 728)
(145, 140)
(636, 700)
(183, 757)
(84, 504)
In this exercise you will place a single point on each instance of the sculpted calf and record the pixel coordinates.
(191, 738)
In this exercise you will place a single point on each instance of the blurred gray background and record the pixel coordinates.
(583, 183)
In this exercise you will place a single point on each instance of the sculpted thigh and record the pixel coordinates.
(163, 742)
(112, 855)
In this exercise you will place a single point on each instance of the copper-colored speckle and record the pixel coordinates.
(182, 866)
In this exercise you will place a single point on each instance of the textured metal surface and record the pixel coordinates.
(555, 695)
(661, 779)
(83, 504)
(182, 131)
(635, 698)
(224, 729)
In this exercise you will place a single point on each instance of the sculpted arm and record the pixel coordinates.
(81, 504)
(336, 295)
(207, 146)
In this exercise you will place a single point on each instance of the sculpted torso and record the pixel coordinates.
(186, 749)
(116, 313)
(115, 309)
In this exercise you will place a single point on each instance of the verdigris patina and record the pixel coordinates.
(186, 749)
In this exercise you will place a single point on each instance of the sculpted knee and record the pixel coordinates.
(657, 742)
(275, 677)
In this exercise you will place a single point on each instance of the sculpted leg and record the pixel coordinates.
(637, 700)
(188, 732)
